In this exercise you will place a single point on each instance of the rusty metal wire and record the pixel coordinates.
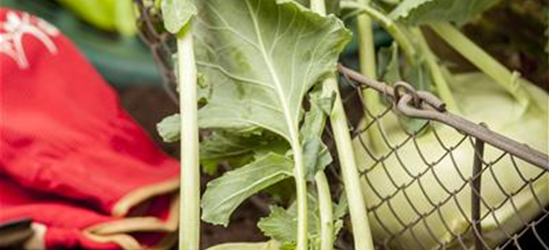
(491, 212)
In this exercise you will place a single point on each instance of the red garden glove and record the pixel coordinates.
(62, 132)
(62, 224)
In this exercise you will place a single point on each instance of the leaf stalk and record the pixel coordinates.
(349, 170)
(189, 219)
(481, 59)
(326, 212)
(367, 60)
(301, 190)
(396, 32)
(441, 84)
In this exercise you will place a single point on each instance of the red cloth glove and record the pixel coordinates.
(62, 132)
(62, 224)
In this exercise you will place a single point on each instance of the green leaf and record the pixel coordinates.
(415, 74)
(332, 6)
(261, 59)
(238, 149)
(426, 11)
(315, 153)
(340, 210)
(280, 225)
(418, 76)
(170, 128)
(176, 14)
(316, 157)
(388, 66)
(271, 245)
(224, 145)
(342, 207)
(224, 194)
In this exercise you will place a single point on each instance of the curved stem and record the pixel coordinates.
(478, 57)
(436, 72)
(189, 220)
(326, 212)
(391, 27)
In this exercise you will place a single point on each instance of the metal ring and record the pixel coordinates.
(410, 90)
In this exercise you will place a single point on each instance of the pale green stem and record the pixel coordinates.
(389, 25)
(325, 199)
(189, 219)
(367, 53)
(367, 60)
(326, 212)
(478, 57)
(349, 170)
(441, 84)
(351, 178)
(301, 192)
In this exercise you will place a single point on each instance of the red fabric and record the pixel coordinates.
(63, 134)
(65, 221)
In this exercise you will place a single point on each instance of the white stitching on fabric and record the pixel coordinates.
(15, 27)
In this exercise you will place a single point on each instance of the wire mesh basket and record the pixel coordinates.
(449, 183)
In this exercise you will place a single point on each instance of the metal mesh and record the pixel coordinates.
(448, 184)
(423, 196)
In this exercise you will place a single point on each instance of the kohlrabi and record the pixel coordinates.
(480, 100)
(419, 194)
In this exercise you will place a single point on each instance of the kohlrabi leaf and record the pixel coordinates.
(340, 210)
(425, 11)
(224, 194)
(388, 64)
(315, 153)
(271, 245)
(261, 58)
(224, 145)
(176, 14)
(238, 149)
(170, 128)
(418, 76)
(316, 157)
(280, 225)
(389, 71)
(332, 6)
(304, 3)
(342, 207)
